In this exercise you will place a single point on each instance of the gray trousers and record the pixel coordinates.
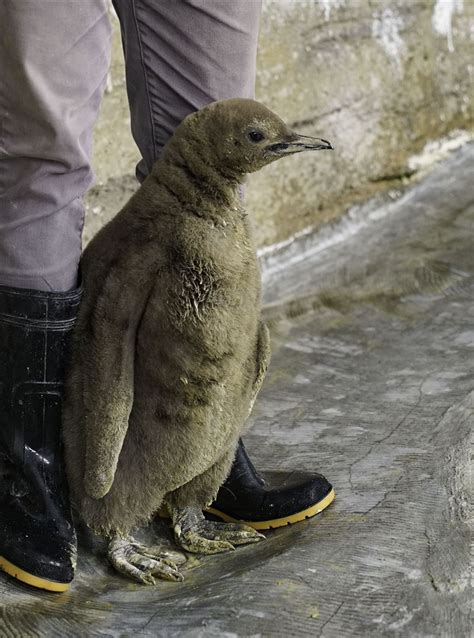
(54, 58)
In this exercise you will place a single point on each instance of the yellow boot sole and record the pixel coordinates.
(29, 579)
(279, 522)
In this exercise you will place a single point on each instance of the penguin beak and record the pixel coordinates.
(296, 143)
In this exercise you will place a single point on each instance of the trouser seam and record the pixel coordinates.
(145, 70)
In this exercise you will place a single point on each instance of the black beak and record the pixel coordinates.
(297, 143)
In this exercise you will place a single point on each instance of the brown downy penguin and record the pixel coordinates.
(169, 351)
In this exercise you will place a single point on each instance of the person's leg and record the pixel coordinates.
(54, 58)
(181, 56)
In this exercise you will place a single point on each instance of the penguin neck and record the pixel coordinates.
(197, 182)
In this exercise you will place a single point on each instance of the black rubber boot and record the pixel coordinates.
(272, 499)
(37, 537)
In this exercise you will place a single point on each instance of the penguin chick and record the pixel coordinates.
(169, 351)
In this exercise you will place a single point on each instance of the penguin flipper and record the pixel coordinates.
(263, 355)
(108, 369)
(262, 361)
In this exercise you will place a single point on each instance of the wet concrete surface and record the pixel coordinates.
(371, 383)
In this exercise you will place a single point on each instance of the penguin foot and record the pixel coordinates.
(197, 535)
(142, 563)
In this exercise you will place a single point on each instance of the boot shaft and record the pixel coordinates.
(35, 334)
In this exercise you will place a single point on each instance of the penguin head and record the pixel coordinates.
(240, 136)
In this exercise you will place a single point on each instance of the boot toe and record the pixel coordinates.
(41, 557)
(284, 498)
(293, 492)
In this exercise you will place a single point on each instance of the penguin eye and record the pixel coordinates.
(256, 136)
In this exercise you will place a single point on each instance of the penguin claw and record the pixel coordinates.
(209, 537)
(169, 556)
(142, 563)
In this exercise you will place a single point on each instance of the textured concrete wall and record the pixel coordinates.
(377, 78)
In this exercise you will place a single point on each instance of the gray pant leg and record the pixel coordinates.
(180, 55)
(54, 56)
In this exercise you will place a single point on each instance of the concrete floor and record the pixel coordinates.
(372, 384)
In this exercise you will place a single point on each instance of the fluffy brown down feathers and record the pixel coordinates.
(169, 351)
